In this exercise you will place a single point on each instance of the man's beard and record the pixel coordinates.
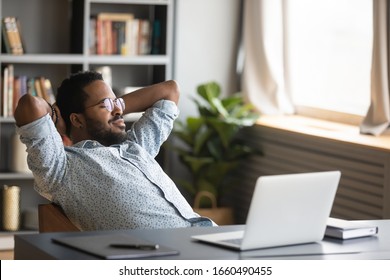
(104, 135)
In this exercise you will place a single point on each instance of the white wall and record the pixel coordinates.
(206, 33)
(205, 47)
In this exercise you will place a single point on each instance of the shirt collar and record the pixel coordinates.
(89, 144)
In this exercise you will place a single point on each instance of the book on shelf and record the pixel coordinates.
(7, 93)
(111, 26)
(7, 90)
(344, 229)
(119, 37)
(10, 90)
(92, 35)
(31, 87)
(145, 37)
(156, 43)
(134, 37)
(4, 92)
(14, 87)
(20, 89)
(43, 89)
(49, 91)
(12, 35)
(37, 86)
(119, 33)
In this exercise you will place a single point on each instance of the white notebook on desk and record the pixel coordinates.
(344, 229)
(285, 210)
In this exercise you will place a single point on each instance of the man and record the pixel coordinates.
(108, 179)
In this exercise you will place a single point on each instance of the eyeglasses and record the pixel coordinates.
(109, 104)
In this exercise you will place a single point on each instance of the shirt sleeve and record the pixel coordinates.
(154, 127)
(46, 155)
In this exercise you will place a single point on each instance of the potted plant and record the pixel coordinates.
(209, 147)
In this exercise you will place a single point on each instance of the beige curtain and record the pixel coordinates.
(377, 119)
(264, 72)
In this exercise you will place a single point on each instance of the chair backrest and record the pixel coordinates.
(53, 219)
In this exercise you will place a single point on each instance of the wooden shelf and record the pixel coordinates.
(80, 59)
(7, 120)
(15, 176)
(42, 58)
(124, 60)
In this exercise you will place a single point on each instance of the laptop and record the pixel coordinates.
(285, 210)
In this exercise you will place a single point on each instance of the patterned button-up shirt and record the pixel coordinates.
(116, 187)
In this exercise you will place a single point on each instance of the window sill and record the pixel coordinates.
(326, 129)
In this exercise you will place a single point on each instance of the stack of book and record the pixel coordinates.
(14, 87)
(12, 37)
(119, 33)
(344, 229)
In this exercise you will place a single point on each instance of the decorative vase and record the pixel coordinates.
(11, 208)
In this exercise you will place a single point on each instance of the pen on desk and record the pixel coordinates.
(135, 246)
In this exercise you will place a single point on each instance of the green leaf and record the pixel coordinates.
(232, 102)
(210, 93)
(194, 124)
(225, 131)
(200, 141)
(196, 163)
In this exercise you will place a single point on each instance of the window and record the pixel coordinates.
(329, 45)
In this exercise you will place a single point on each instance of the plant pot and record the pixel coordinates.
(220, 215)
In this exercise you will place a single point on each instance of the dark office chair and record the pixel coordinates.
(53, 219)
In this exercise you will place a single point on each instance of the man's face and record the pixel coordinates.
(106, 127)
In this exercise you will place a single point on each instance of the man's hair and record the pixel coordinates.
(71, 95)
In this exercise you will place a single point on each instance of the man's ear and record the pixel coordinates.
(77, 120)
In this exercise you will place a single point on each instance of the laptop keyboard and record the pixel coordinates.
(235, 241)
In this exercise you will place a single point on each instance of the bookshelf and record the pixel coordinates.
(56, 37)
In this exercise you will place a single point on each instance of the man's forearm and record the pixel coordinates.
(144, 98)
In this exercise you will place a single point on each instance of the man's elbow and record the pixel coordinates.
(174, 91)
(29, 108)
